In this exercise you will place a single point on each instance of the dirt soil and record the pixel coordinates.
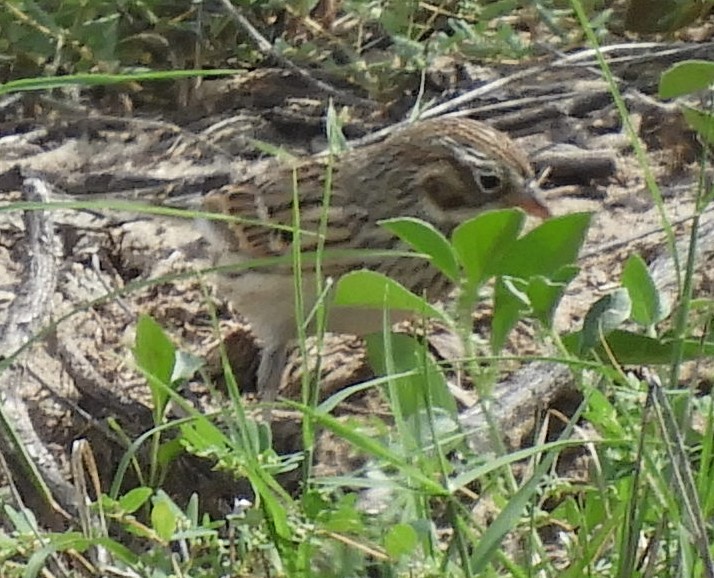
(106, 267)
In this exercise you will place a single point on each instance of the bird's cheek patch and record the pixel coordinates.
(445, 187)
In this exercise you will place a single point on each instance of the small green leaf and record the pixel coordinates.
(701, 122)
(134, 499)
(314, 503)
(647, 306)
(23, 521)
(401, 540)
(204, 436)
(192, 510)
(604, 316)
(344, 519)
(686, 77)
(335, 138)
(373, 290)
(481, 242)
(545, 294)
(153, 351)
(552, 245)
(425, 238)
(185, 366)
(169, 451)
(601, 411)
(163, 519)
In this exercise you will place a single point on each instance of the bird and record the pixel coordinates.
(443, 171)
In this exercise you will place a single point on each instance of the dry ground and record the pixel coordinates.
(82, 372)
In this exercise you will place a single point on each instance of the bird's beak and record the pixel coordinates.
(529, 199)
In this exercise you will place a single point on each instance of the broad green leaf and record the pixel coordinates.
(686, 77)
(373, 290)
(701, 122)
(511, 301)
(604, 316)
(662, 16)
(436, 426)
(635, 349)
(647, 306)
(552, 245)
(153, 350)
(401, 540)
(481, 242)
(425, 238)
(425, 382)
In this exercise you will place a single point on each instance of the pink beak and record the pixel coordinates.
(530, 201)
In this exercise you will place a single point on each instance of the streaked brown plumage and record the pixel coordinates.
(443, 171)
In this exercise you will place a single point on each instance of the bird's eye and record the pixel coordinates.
(490, 183)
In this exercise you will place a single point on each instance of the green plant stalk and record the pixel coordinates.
(395, 406)
(464, 309)
(706, 463)
(640, 154)
(684, 308)
(685, 288)
(237, 406)
(12, 447)
(680, 469)
(682, 318)
(130, 454)
(630, 530)
(244, 432)
(459, 537)
(311, 387)
(686, 495)
(465, 306)
(124, 439)
(423, 482)
(158, 417)
(300, 325)
(265, 485)
(50, 82)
